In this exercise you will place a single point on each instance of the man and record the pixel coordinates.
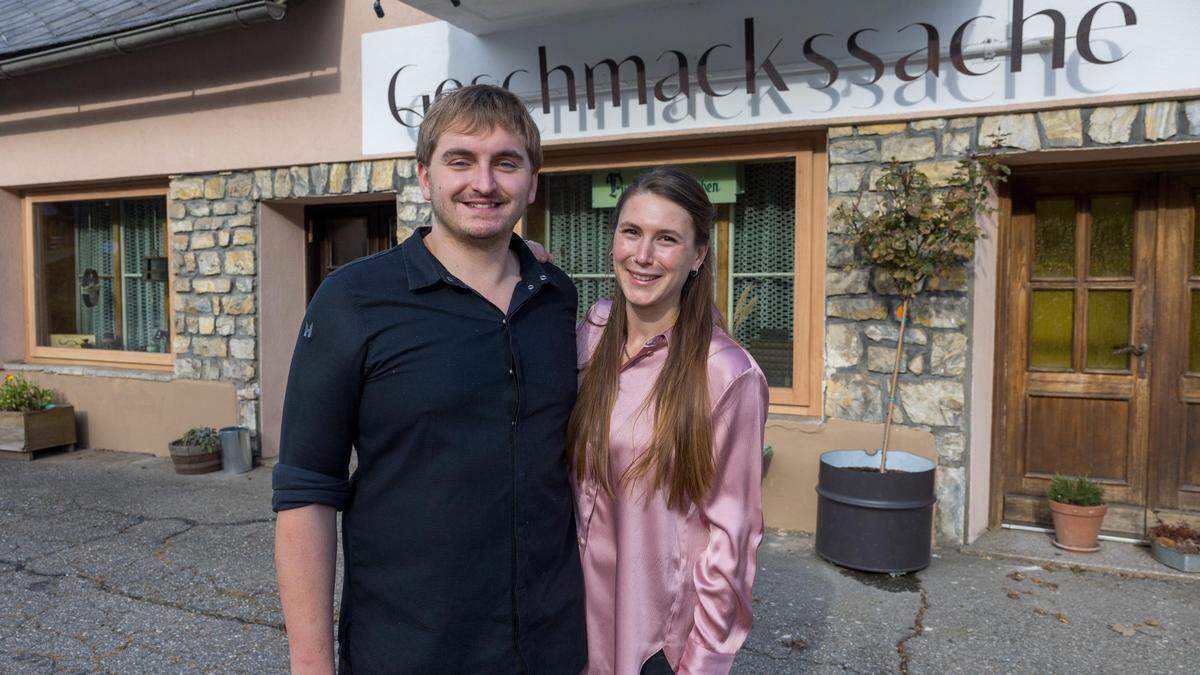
(448, 364)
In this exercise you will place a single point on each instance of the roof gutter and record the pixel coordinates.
(247, 14)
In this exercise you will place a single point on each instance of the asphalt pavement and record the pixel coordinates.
(110, 562)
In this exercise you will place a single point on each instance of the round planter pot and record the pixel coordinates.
(194, 459)
(1076, 528)
(872, 521)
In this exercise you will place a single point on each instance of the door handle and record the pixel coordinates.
(1136, 350)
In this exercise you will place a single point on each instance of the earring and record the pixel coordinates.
(695, 272)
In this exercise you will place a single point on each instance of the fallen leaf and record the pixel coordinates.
(1036, 580)
(1014, 595)
(1039, 611)
(1049, 567)
(1152, 622)
(1016, 576)
(795, 644)
(1062, 618)
(1050, 585)
(1127, 631)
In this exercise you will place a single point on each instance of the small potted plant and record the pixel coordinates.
(1078, 508)
(1176, 546)
(32, 419)
(198, 451)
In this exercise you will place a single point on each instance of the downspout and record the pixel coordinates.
(259, 11)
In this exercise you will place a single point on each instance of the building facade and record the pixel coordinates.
(167, 213)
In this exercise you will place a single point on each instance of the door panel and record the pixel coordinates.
(1075, 312)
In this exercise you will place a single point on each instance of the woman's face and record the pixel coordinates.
(654, 251)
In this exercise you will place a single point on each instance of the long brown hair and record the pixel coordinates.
(680, 453)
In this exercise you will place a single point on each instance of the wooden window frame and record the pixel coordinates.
(808, 152)
(108, 358)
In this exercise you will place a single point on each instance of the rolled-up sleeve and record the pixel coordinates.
(724, 574)
(320, 409)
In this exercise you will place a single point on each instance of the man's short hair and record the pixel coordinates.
(478, 107)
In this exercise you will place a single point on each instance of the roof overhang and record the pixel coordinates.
(491, 16)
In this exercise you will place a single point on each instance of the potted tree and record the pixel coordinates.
(875, 507)
(31, 419)
(1078, 508)
(1176, 546)
(198, 451)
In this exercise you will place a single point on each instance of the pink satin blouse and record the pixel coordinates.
(658, 578)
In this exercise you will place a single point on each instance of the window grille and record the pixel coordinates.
(145, 314)
(94, 246)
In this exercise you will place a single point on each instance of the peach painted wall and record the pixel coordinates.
(12, 300)
(281, 309)
(273, 94)
(131, 415)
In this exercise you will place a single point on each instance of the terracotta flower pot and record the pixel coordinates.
(1076, 528)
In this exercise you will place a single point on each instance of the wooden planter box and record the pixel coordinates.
(194, 459)
(22, 434)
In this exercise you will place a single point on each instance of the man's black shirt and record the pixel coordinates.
(458, 530)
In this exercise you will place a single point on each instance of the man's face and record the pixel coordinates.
(479, 184)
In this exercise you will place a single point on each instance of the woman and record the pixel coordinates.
(666, 447)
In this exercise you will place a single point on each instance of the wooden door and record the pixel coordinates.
(1175, 436)
(342, 233)
(1077, 311)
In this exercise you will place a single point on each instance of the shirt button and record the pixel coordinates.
(510, 371)
(582, 541)
(542, 278)
(504, 322)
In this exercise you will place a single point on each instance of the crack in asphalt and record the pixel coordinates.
(105, 587)
(918, 628)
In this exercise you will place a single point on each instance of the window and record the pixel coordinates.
(99, 277)
(762, 245)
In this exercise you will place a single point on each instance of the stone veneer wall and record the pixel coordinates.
(214, 232)
(861, 331)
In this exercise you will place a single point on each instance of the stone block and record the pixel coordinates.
(963, 123)
(935, 403)
(882, 129)
(241, 348)
(854, 396)
(300, 187)
(239, 262)
(338, 174)
(939, 173)
(846, 282)
(210, 346)
(237, 370)
(1191, 110)
(264, 184)
(180, 242)
(360, 176)
(210, 369)
(1011, 131)
(224, 207)
(1112, 125)
(239, 186)
(203, 240)
(225, 325)
(214, 188)
(403, 232)
(917, 365)
(950, 279)
(198, 207)
(411, 194)
(209, 263)
(383, 173)
(238, 304)
(223, 238)
(406, 213)
(183, 189)
(839, 252)
(1063, 128)
(840, 132)
(908, 148)
(177, 210)
(212, 285)
(956, 144)
(192, 324)
(243, 237)
(852, 151)
(843, 345)
(183, 285)
(187, 368)
(248, 414)
(241, 220)
(245, 205)
(940, 311)
(180, 226)
(882, 359)
(948, 355)
(856, 308)
(926, 125)
(890, 332)
(282, 186)
(1161, 121)
(319, 178)
(846, 178)
(208, 223)
(244, 284)
(951, 495)
(185, 262)
(205, 325)
(405, 169)
(951, 447)
(180, 344)
(246, 326)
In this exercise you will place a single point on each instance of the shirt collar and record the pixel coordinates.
(425, 270)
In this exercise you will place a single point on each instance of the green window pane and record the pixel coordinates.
(1054, 238)
(1194, 341)
(762, 323)
(1111, 253)
(1053, 328)
(764, 219)
(1107, 328)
